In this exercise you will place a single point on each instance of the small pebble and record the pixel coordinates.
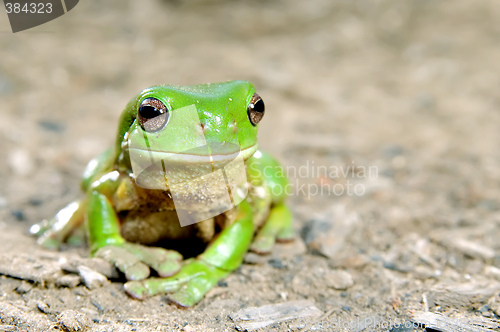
(43, 307)
(89, 312)
(313, 229)
(339, 279)
(327, 236)
(97, 301)
(253, 318)
(70, 280)
(484, 308)
(404, 329)
(18, 214)
(346, 308)
(35, 201)
(496, 308)
(492, 271)
(253, 258)
(92, 279)
(356, 261)
(20, 162)
(297, 327)
(289, 249)
(222, 283)
(51, 126)
(24, 287)
(276, 263)
(81, 291)
(96, 264)
(257, 277)
(73, 321)
(393, 266)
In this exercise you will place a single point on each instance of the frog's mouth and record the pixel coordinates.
(151, 168)
(213, 153)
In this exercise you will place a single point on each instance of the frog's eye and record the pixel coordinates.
(256, 109)
(152, 115)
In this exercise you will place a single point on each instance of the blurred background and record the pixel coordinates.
(409, 87)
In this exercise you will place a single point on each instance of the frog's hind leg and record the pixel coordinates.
(68, 221)
(278, 227)
(199, 275)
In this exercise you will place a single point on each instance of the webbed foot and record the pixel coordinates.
(134, 260)
(187, 287)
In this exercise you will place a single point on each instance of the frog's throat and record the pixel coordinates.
(194, 158)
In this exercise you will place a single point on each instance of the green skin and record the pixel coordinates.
(123, 220)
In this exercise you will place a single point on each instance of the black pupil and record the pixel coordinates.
(259, 106)
(149, 112)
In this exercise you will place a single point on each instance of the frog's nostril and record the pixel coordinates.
(203, 128)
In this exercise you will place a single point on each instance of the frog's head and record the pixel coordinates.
(192, 124)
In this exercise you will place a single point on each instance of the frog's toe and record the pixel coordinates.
(168, 268)
(52, 239)
(136, 289)
(137, 271)
(286, 235)
(165, 262)
(199, 278)
(263, 244)
(39, 228)
(185, 298)
(188, 286)
(125, 261)
(46, 236)
(193, 291)
(49, 242)
(278, 227)
(150, 287)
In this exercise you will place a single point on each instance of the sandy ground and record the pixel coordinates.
(406, 89)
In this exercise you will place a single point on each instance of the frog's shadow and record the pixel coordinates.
(188, 248)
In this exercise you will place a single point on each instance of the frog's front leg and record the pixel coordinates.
(52, 233)
(64, 225)
(199, 275)
(106, 241)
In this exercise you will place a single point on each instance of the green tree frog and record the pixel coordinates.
(178, 151)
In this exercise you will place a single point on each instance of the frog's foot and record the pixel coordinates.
(198, 276)
(286, 235)
(187, 287)
(45, 235)
(278, 227)
(41, 227)
(134, 260)
(54, 232)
